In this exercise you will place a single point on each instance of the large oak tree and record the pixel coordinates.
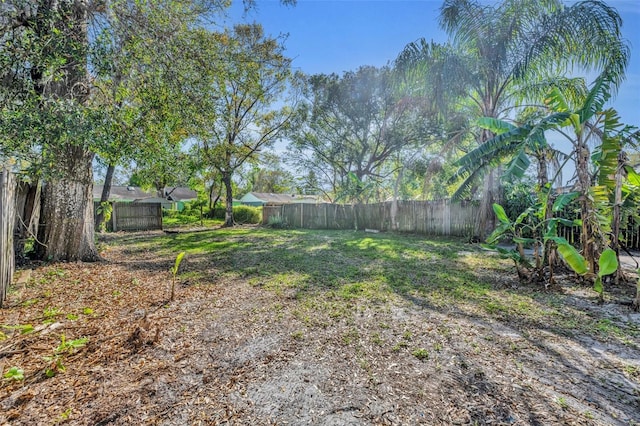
(51, 101)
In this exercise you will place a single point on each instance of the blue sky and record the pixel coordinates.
(327, 36)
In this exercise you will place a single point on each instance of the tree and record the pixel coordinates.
(240, 93)
(496, 49)
(355, 125)
(269, 175)
(46, 48)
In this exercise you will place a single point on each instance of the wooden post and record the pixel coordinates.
(7, 213)
(114, 220)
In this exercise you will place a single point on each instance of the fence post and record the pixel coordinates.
(114, 219)
(7, 213)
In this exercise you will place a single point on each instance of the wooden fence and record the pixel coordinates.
(423, 217)
(134, 216)
(7, 214)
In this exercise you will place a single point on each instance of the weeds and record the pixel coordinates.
(14, 374)
(562, 402)
(422, 354)
(66, 347)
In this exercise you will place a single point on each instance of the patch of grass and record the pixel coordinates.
(377, 339)
(350, 337)
(421, 353)
(331, 272)
(29, 302)
(632, 370)
(398, 346)
(50, 312)
(562, 402)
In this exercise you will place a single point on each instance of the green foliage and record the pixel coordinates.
(69, 346)
(518, 196)
(574, 259)
(607, 265)
(277, 222)
(354, 128)
(174, 272)
(241, 214)
(24, 329)
(238, 112)
(14, 373)
(106, 209)
(422, 354)
(66, 347)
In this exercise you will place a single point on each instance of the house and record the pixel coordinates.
(125, 194)
(173, 197)
(179, 194)
(263, 198)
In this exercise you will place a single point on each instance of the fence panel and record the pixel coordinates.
(7, 214)
(134, 216)
(423, 217)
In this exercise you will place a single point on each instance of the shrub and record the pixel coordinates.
(241, 214)
(277, 222)
(247, 214)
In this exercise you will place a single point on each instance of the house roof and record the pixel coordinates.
(123, 193)
(268, 198)
(179, 193)
(131, 193)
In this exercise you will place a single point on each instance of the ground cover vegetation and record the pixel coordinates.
(287, 326)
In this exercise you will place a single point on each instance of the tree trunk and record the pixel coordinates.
(617, 206)
(106, 191)
(212, 199)
(394, 202)
(228, 215)
(28, 216)
(587, 237)
(67, 223)
(549, 256)
(486, 222)
(7, 223)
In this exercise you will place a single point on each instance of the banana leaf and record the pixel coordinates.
(563, 200)
(500, 214)
(608, 263)
(575, 260)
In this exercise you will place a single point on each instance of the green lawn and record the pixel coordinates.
(333, 270)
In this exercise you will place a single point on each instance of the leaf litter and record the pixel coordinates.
(228, 351)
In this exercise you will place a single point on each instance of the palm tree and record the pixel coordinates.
(495, 50)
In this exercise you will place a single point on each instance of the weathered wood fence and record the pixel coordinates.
(423, 217)
(7, 213)
(134, 216)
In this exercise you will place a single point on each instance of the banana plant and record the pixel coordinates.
(513, 230)
(174, 271)
(531, 228)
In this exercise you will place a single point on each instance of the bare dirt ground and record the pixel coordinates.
(229, 352)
